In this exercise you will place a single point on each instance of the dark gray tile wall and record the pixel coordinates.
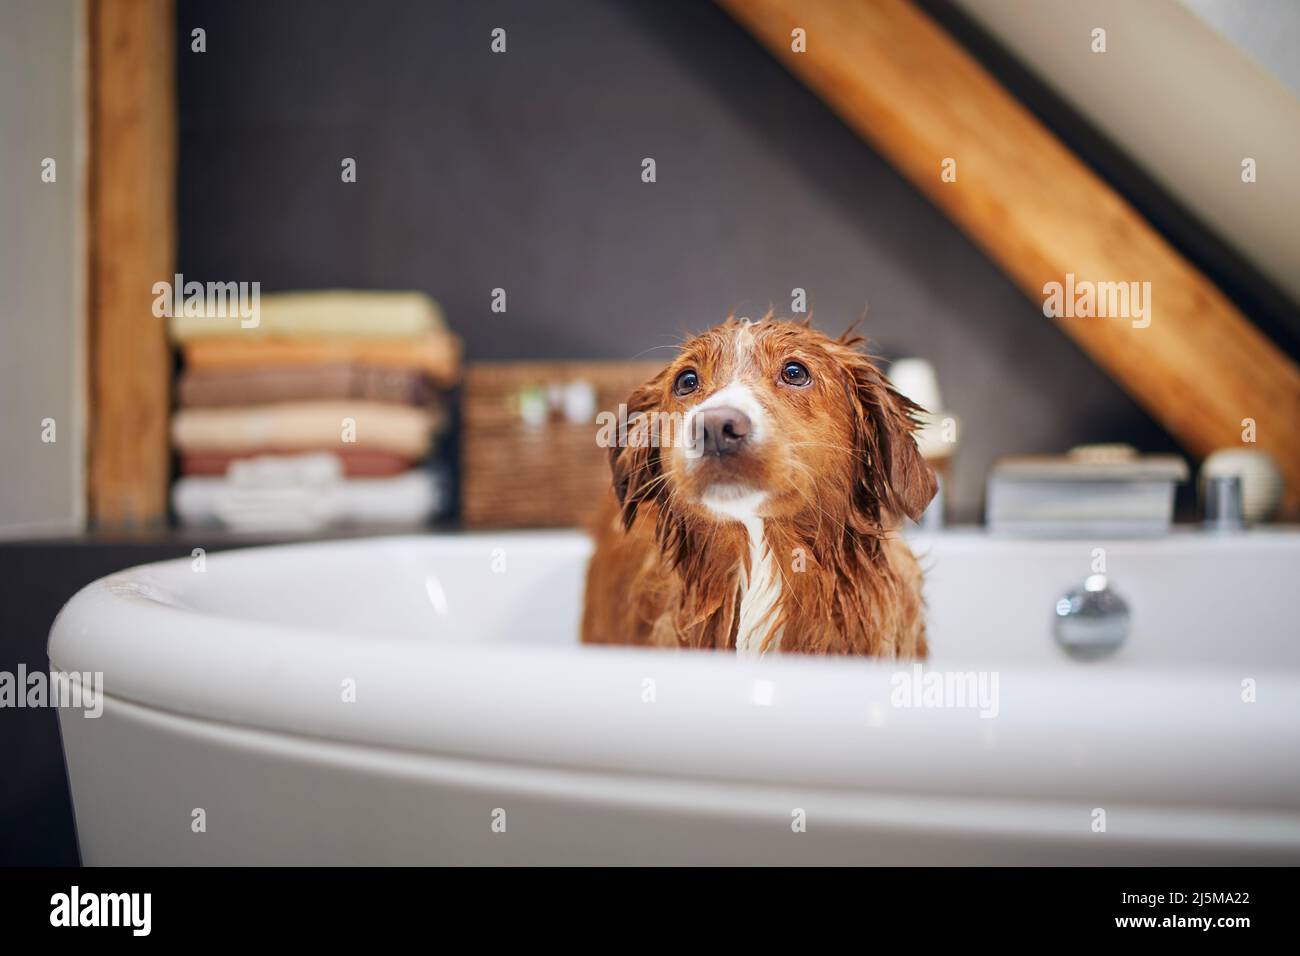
(522, 171)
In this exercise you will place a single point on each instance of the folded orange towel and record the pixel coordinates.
(437, 355)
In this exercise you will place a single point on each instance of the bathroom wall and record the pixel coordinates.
(522, 171)
(42, 223)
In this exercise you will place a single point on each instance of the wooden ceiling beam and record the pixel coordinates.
(1194, 362)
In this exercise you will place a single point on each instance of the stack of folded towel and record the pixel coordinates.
(324, 412)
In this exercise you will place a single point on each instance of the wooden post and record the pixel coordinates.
(132, 246)
(1200, 367)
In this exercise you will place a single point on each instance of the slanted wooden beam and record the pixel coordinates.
(132, 246)
(1199, 367)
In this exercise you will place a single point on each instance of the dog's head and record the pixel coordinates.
(772, 419)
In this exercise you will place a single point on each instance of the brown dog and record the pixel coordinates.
(756, 495)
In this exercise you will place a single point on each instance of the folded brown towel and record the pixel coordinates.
(356, 462)
(289, 383)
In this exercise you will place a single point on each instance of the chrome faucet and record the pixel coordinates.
(1222, 503)
(1092, 620)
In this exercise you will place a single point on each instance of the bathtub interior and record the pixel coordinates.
(1196, 600)
(446, 588)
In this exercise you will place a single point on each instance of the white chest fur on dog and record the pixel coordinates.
(760, 589)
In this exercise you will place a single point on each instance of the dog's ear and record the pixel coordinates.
(635, 463)
(894, 474)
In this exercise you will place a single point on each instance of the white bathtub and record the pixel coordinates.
(481, 732)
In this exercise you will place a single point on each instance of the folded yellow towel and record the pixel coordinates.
(435, 354)
(377, 315)
(291, 426)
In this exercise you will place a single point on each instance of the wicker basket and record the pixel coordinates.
(529, 457)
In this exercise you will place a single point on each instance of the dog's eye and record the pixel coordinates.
(792, 373)
(686, 382)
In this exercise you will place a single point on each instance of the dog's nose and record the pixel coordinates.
(722, 430)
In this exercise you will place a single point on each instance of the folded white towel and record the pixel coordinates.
(285, 471)
(278, 494)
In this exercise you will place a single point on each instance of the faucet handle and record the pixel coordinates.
(1091, 620)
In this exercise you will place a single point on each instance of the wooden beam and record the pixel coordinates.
(132, 246)
(1199, 368)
